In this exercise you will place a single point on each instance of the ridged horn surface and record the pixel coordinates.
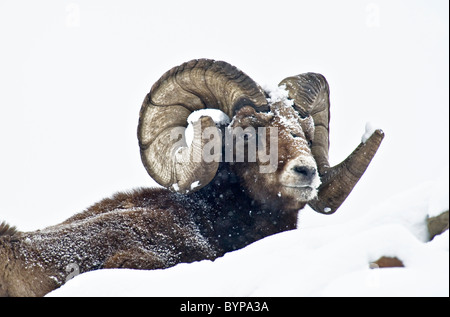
(195, 85)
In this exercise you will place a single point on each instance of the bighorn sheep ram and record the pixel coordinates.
(220, 193)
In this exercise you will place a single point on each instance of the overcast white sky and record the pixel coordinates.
(73, 75)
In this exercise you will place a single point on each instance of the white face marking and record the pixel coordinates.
(301, 184)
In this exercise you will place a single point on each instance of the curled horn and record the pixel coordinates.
(310, 93)
(195, 85)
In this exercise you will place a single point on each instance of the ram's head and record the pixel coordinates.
(276, 143)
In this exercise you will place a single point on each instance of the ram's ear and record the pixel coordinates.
(245, 112)
(248, 116)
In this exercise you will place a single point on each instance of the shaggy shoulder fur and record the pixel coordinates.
(7, 230)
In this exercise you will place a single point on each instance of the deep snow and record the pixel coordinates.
(326, 256)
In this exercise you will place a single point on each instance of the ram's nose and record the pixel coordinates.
(307, 174)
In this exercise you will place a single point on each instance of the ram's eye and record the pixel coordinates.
(309, 143)
(248, 136)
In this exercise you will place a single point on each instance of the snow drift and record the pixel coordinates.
(326, 256)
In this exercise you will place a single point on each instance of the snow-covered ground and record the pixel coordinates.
(326, 256)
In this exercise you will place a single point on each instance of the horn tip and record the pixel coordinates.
(379, 133)
(375, 138)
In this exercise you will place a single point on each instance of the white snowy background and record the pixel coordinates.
(73, 75)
